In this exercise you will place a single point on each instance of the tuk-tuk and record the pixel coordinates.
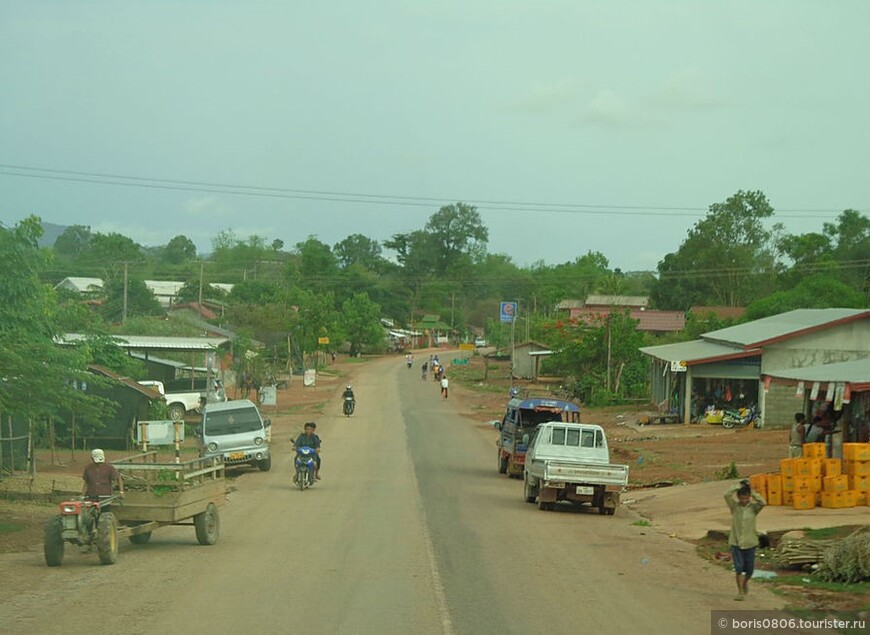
(519, 423)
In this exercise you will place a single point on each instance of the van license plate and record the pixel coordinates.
(238, 456)
(585, 490)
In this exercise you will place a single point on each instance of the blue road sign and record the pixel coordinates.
(508, 311)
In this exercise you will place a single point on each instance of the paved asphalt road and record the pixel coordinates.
(411, 530)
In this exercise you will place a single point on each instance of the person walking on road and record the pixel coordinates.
(743, 538)
(444, 385)
(424, 368)
(797, 437)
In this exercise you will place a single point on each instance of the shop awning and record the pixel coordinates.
(697, 352)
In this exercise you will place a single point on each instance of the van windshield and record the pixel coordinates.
(231, 422)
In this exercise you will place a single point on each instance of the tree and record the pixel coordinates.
(359, 250)
(189, 292)
(360, 323)
(459, 236)
(112, 249)
(178, 250)
(315, 317)
(139, 298)
(604, 359)
(73, 242)
(727, 259)
(40, 378)
(315, 266)
(820, 291)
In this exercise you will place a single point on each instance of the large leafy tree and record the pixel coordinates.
(360, 324)
(361, 251)
(458, 236)
(820, 291)
(315, 267)
(73, 242)
(39, 377)
(727, 259)
(112, 249)
(179, 250)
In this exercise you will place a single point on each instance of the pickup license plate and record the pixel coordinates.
(585, 490)
(237, 456)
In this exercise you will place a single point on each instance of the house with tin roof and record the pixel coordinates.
(597, 308)
(761, 362)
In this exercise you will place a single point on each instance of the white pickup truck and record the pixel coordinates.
(181, 398)
(571, 462)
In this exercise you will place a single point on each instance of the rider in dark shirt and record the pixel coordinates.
(310, 439)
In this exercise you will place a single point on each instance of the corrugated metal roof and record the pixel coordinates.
(156, 343)
(790, 324)
(80, 284)
(617, 300)
(694, 352)
(855, 372)
(570, 304)
(663, 321)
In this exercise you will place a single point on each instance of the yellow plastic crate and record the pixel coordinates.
(859, 483)
(851, 498)
(814, 451)
(856, 451)
(804, 500)
(835, 483)
(774, 498)
(758, 483)
(833, 500)
(787, 498)
(803, 484)
(857, 468)
(774, 484)
(807, 467)
(832, 467)
(787, 483)
(786, 467)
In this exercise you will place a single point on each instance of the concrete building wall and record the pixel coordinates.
(780, 404)
(838, 344)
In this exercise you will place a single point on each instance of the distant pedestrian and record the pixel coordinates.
(444, 385)
(424, 368)
(743, 538)
(798, 436)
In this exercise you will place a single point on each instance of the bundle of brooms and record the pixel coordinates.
(847, 560)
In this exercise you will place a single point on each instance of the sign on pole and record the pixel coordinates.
(508, 311)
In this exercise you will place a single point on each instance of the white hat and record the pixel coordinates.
(98, 456)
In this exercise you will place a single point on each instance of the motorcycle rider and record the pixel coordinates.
(348, 394)
(310, 439)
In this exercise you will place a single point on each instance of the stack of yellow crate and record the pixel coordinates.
(814, 480)
(856, 465)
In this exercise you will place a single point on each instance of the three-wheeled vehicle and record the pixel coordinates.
(518, 424)
(157, 494)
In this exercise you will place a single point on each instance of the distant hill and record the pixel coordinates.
(50, 232)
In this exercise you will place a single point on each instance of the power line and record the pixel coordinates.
(100, 178)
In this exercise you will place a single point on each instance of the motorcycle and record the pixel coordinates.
(740, 417)
(306, 465)
(349, 405)
(84, 522)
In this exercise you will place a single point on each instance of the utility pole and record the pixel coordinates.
(124, 314)
(201, 266)
(452, 306)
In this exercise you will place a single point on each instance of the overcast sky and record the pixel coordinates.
(629, 118)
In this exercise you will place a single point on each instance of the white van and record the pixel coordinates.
(236, 431)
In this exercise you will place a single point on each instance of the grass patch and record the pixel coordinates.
(8, 528)
(810, 581)
(642, 522)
